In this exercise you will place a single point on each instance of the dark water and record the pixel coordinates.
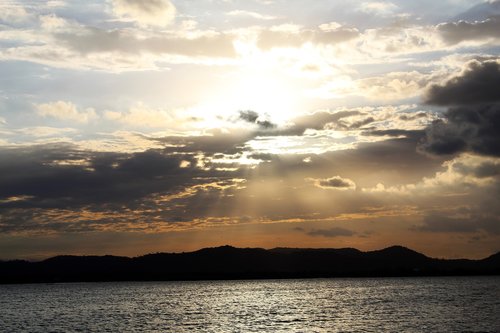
(448, 304)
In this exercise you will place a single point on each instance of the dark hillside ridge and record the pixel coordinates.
(227, 262)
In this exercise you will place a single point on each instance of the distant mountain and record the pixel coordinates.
(227, 262)
(493, 260)
(480, 12)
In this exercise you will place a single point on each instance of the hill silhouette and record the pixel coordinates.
(227, 262)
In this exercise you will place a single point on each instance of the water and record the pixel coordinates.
(442, 304)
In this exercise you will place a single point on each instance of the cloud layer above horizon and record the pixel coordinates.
(129, 126)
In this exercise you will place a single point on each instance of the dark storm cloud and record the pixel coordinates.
(124, 191)
(487, 169)
(60, 176)
(443, 140)
(61, 188)
(456, 32)
(472, 123)
(331, 233)
(475, 129)
(479, 84)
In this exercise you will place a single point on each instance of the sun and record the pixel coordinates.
(266, 93)
(269, 91)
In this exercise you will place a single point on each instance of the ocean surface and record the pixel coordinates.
(437, 304)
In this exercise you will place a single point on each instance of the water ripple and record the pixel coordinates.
(452, 304)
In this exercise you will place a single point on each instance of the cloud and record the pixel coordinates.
(249, 116)
(62, 188)
(44, 131)
(383, 118)
(13, 13)
(213, 142)
(318, 121)
(439, 223)
(65, 42)
(53, 23)
(254, 15)
(477, 84)
(142, 116)
(485, 168)
(62, 175)
(169, 188)
(474, 129)
(467, 175)
(66, 111)
(456, 32)
(331, 233)
(254, 118)
(417, 134)
(146, 12)
(94, 40)
(468, 223)
(335, 183)
(481, 11)
(394, 86)
(324, 131)
(98, 184)
(378, 7)
(286, 36)
(473, 122)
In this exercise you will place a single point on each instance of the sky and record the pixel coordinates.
(130, 127)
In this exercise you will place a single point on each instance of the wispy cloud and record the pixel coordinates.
(251, 14)
(146, 12)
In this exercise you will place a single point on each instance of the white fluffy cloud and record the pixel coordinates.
(12, 13)
(66, 111)
(462, 175)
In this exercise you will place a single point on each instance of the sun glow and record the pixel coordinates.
(267, 94)
(261, 83)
